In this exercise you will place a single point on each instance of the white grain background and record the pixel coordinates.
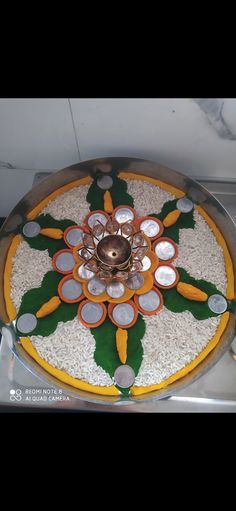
(49, 134)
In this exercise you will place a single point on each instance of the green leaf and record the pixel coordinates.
(43, 242)
(106, 355)
(178, 303)
(35, 298)
(118, 193)
(185, 221)
(135, 348)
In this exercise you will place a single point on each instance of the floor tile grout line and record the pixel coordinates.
(74, 128)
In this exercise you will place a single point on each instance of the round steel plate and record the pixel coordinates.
(151, 169)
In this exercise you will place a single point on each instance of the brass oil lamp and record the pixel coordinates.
(114, 251)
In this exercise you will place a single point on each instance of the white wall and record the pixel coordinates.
(195, 137)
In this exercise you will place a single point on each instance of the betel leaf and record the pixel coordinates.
(118, 191)
(35, 298)
(185, 221)
(135, 347)
(41, 242)
(106, 355)
(178, 303)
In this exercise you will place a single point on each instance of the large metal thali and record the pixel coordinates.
(197, 193)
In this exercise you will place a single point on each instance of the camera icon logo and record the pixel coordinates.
(15, 395)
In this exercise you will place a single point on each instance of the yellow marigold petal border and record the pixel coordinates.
(164, 186)
(10, 307)
(66, 378)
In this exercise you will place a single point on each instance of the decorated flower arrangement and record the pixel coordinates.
(111, 271)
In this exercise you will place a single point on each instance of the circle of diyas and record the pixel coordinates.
(117, 294)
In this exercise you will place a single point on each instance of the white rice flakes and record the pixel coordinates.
(201, 255)
(70, 205)
(29, 267)
(148, 198)
(172, 341)
(71, 348)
